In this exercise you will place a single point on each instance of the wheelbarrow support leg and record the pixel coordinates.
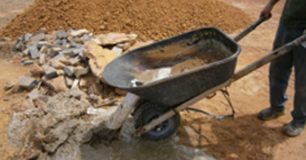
(123, 111)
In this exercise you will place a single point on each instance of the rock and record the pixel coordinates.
(115, 38)
(42, 44)
(61, 132)
(20, 44)
(117, 50)
(56, 61)
(98, 57)
(42, 59)
(50, 72)
(33, 52)
(77, 100)
(71, 52)
(75, 83)
(72, 61)
(36, 70)
(58, 84)
(69, 71)
(27, 62)
(124, 46)
(37, 37)
(83, 83)
(61, 34)
(34, 94)
(69, 81)
(80, 71)
(43, 49)
(55, 51)
(57, 64)
(20, 129)
(27, 82)
(77, 33)
(60, 72)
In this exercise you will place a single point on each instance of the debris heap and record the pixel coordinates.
(68, 103)
(70, 59)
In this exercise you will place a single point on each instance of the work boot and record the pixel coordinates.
(270, 113)
(293, 129)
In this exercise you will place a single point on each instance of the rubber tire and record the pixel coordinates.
(147, 112)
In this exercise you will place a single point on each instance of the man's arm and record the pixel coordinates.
(266, 12)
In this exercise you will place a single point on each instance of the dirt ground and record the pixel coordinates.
(10, 8)
(246, 137)
(242, 138)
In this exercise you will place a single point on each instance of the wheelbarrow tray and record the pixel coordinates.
(176, 89)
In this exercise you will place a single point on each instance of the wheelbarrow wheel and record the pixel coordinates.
(147, 112)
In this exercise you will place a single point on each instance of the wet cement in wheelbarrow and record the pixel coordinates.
(188, 59)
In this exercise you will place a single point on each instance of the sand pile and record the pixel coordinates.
(150, 19)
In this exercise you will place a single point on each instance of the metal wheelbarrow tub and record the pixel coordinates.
(179, 88)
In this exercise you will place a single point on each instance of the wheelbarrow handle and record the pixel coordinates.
(252, 27)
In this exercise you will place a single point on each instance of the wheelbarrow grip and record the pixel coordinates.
(252, 27)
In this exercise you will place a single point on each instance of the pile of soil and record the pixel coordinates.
(150, 19)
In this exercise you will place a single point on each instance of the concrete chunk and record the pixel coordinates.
(75, 83)
(37, 37)
(69, 81)
(117, 50)
(27, 82)
(36, 70)
(61, 34)
(50, 72)
(58, 84)
(98, 57)
(74, 61)
(80, 71)
(77, 33)
(115, 38)
(69, 71)
(42, 59)
(27, 62)
(34, 94)
(55, 51)
(57, 64)
(71, 52)
(33, 52)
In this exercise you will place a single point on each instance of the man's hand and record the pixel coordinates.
(266, 12)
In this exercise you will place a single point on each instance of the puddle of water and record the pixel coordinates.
(142, 150)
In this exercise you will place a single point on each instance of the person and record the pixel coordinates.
(291, 26)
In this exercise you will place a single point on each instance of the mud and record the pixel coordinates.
(150, 19)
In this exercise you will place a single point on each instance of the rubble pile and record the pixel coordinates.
(70, 59)
(68, 103)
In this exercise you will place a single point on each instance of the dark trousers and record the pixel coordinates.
(280, 70)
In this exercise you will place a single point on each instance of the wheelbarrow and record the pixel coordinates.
(166, 94)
